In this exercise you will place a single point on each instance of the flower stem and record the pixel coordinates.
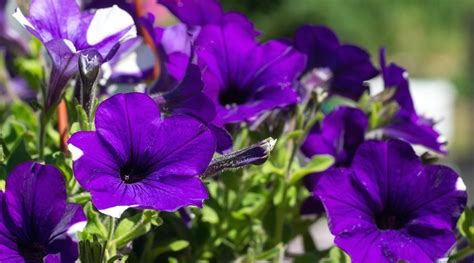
(112, 248)
(42, 135)
(461, 254)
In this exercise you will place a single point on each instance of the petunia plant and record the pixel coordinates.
(197, 142)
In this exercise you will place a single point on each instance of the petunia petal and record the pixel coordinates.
(124, 120)
(164, 194)
(36, 198)
(182, 146)
(93, 161)
(346, 206)
(195, 12)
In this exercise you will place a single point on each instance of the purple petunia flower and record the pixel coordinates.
(388, 206)
(407, 124)
(195, 12)
(243, 77)
(136, 159)
(174, 47)
(343, 67)
(179, 89)
(187, 98)
(65, 31)
(340, 134)
(35, 220)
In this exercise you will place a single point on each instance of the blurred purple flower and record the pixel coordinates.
(388, 206)
(344, 68)
(66, 31)
(17, 88)
(243, 77)
(9, 38)
(407, 125)
(35, 220)
(136, 159)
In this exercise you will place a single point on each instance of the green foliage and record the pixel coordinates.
(466, 225)
(336, 256)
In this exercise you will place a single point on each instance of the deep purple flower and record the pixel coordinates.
(173, 45)
(195, 12)
(388, 206)
(340, 134)
(243, 77)
(407, 124)
(35, 220)
(65, 31)
(136, 159)
(180, 86)
(187, 98)
(344, 68)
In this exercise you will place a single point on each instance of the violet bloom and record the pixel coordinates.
(343, 68)
(243, 77)
(65, 31)
(407, 124)
(173, 44)
(136, 159)
(340, 134)
(179, 89)
(187, 98)
(195, 12)
(35, 220)
(388, 206)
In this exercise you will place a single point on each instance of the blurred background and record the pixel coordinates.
(432, 39)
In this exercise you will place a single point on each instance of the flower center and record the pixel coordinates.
(389, 220)
(132, 173)
(33, 252)
(234, 96)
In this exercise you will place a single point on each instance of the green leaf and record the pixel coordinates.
(178, 245)
(19, 155)
(466, 224)
(83, 118)
(335, 101)
(94, 225)
(209, 215)
(336, 256)
(24, 114)
(2, 153)
(271, 253)
(318, 163)
(279, 191)
(133, 227)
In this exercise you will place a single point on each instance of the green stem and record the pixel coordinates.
(461, 254)
(112, 248)
(42, 135)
